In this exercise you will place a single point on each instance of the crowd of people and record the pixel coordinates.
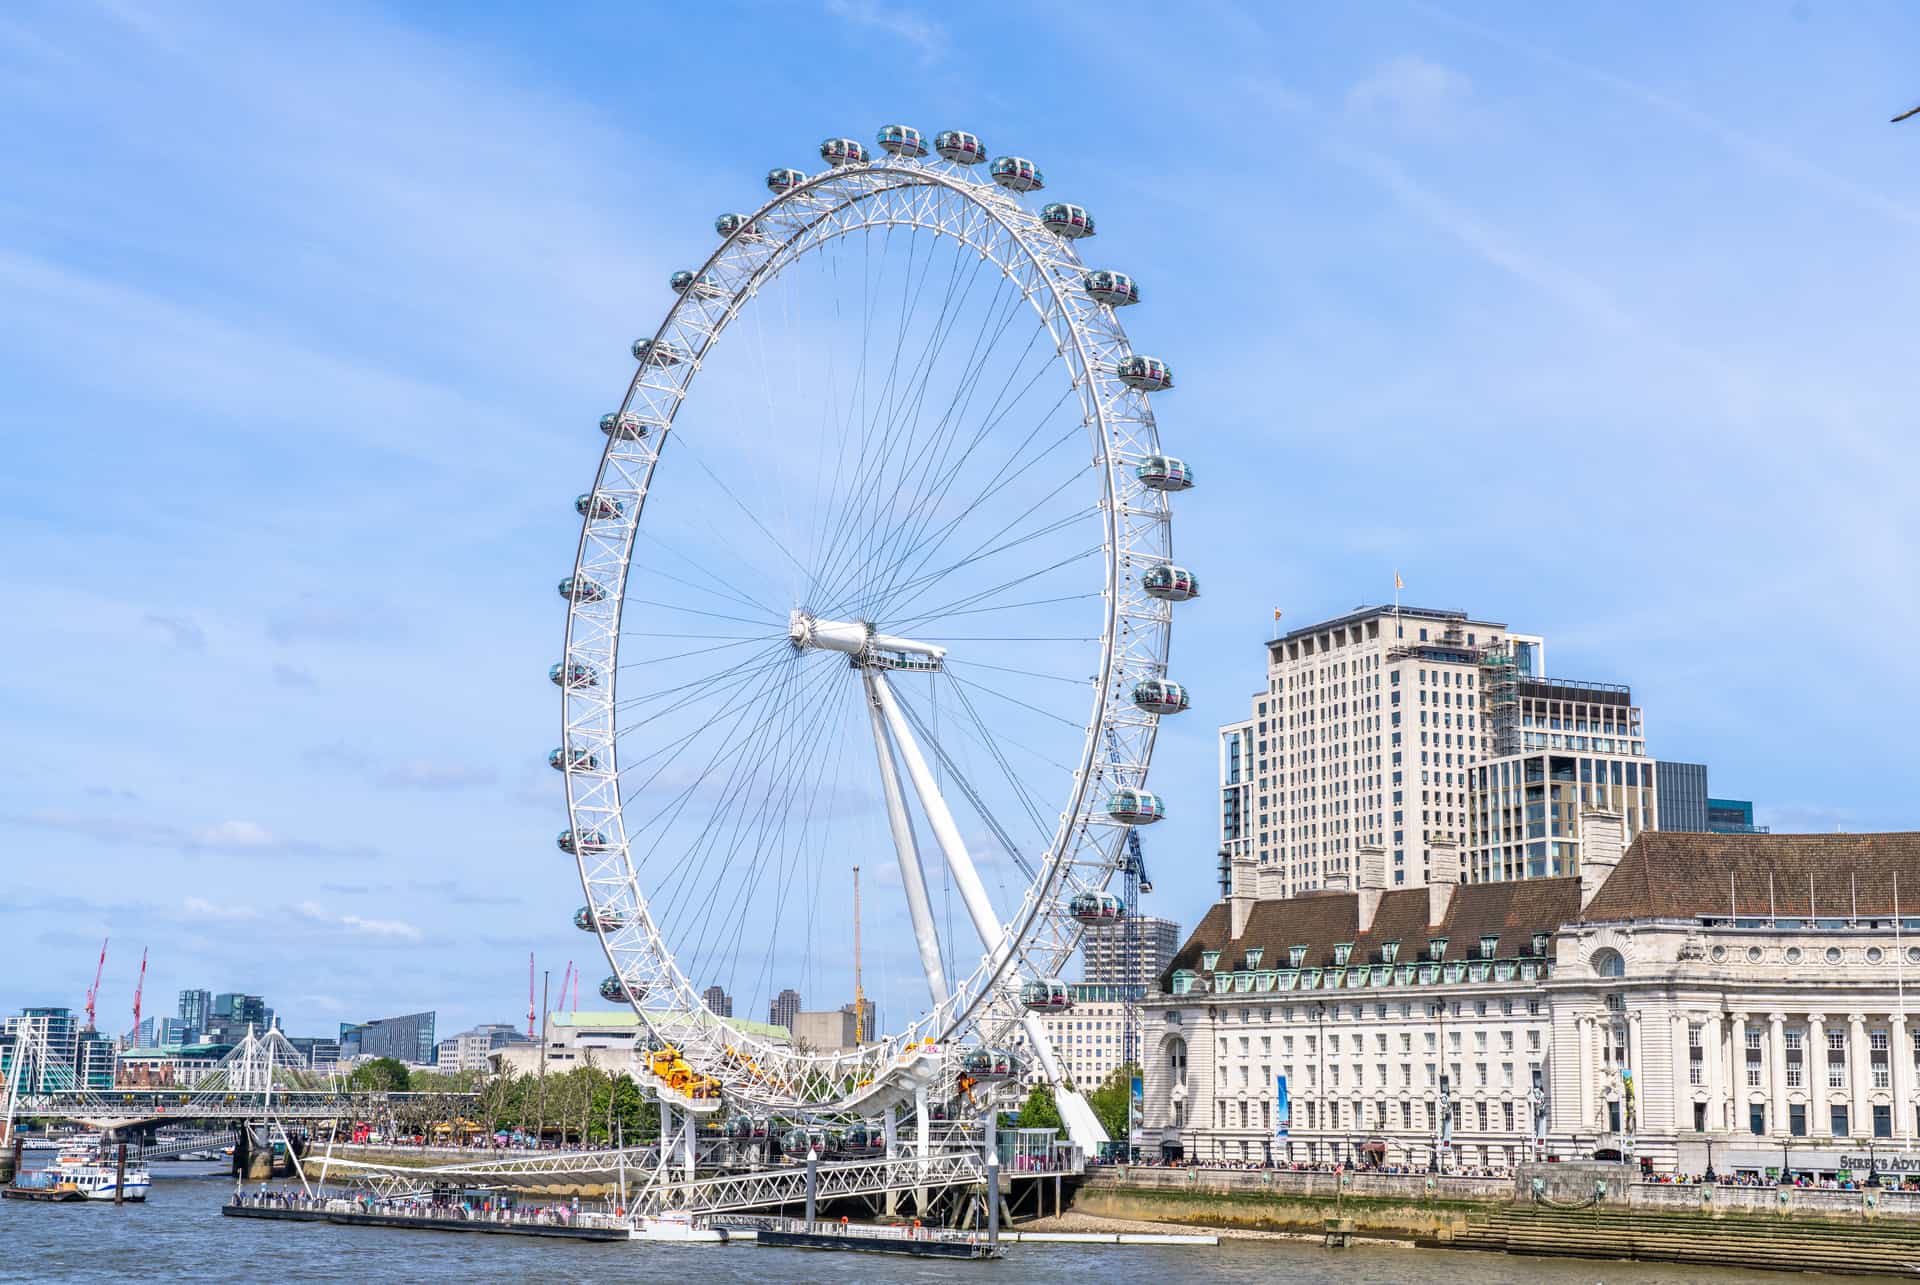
(493, 1209)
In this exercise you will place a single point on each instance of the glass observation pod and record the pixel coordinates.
(1069, 221)
(1096, 907)
(625, 425)
(615, 991)
(598, 508)
(728, 224)
(649, 353)
(581, 590)
(574, 675)
(1136, 807)
(1018, 174)
(796, 1142)
(591, 841)
(990, 1064)
(606, 921)
(683, 282)
(843, 151)
(741, 1129)
(1045, 995)
(1160, 696)
(582, 760)
(783, 180)
(1164, 473)
(903, 140)
(960, 147)
(1147, 374)
(1170, 583)
(1115, 289)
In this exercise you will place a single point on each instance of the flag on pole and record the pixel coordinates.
(1276, 613)
(1398, 583)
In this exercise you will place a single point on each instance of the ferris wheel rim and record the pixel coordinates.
(1077, 821)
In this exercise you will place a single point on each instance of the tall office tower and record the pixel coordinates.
(785, 1006)
(1683, 796)
(195, 1008)
(1362, 737)
(719, 1003)
(1103, 948)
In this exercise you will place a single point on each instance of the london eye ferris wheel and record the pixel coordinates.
(876, 569)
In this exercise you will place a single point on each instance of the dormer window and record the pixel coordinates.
(1341, 953)
(1296, 956)
(1489, 946)
(1389, 951)
(1436, 948)
(1255, 955)
(1539, 945)
(1209, 959)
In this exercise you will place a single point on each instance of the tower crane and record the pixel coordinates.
(859, 996)
(93, 991)
(138, 988)
(529, 994)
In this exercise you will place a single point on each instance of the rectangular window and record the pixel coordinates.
(1840, 1122)
(1753, 1059)
(1797, 1119)
(1882, 1121)
(1756, 1119)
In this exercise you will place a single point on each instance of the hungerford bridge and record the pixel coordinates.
(263, 1089)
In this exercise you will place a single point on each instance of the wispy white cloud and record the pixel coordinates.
(231, 837)
(925, 36)
(313, 912)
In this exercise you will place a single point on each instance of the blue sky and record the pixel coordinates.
(1597, 321)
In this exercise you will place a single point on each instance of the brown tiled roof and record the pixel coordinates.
(1514, 912)
(1667, 875)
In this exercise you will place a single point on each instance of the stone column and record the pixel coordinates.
(1860, 1068)
(1715, 1056)
(1819, 1126)
(1737, 1079)
(1585, 1028)
(1777, 1064)
(1899, 1061)
(1681, 1094)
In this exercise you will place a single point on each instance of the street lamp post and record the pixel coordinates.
(1320, 1045)
(1444, 1116)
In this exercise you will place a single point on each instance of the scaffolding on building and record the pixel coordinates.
(1500, 697)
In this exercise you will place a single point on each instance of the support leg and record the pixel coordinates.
(913, 879)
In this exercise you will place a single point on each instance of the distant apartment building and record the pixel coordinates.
(195, 1008)
(54, 1052)
(868, 1018)
(1682, 788)
(473, 1050)
(824, 1032)
(173, 1030)
(321, 1054)
(1732, 816)
(718, 1002)
(785, 1006)
(1103, 951)
(1087, 1039)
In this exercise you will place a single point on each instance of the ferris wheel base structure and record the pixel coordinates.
(964, 537)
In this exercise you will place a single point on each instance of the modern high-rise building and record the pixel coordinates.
(54, 1052)
(408, 1038)
(1732, 816)
(195, 1008)
(473, 1050)
(1682, 788)
(1363, 736)
(173, 1030)
(718, 1002)
(233, 1015)
(1103, 951)
(785, 1007)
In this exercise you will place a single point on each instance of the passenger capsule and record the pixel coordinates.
(587, 920)
(728, 224)
(596, 507)
(783, 180)
(1170, 583)
(649, 353)
(625, 425)
(579, 761)
(1164, 473)
(1069, 221)
(1148, 374)
(1045, 995)
(903, 140)
(1096, 907)
(582, 589)
(1160, 696)
(615, 991)
(1136, 807)
(843, 151)
(575, 675)
(684, 282)
(960, 147)
(986, 1065)
(1115, 289)
(590, 842)
(1017, 174)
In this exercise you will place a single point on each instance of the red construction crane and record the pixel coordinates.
(138, 987)
(530, 995)
(566, 980)
(93, 991)
(576, 990)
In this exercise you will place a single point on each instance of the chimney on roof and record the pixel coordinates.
(1373, 884)
(1244, 880)
(1269, 882)
(1602, 843)
(1443, 876)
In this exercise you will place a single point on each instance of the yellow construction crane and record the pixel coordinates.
(859, 997)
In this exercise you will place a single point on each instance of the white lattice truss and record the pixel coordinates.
(1087, 848)
(263, 1076)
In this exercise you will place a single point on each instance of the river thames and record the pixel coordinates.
(179, 1234)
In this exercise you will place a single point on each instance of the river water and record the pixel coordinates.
(179, 1234)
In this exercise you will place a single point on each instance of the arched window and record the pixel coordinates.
(1608, 962)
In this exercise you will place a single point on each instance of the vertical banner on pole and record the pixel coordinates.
(1282, 1107)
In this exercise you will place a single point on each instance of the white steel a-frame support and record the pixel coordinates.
(913, 878)
(1082, 1125)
